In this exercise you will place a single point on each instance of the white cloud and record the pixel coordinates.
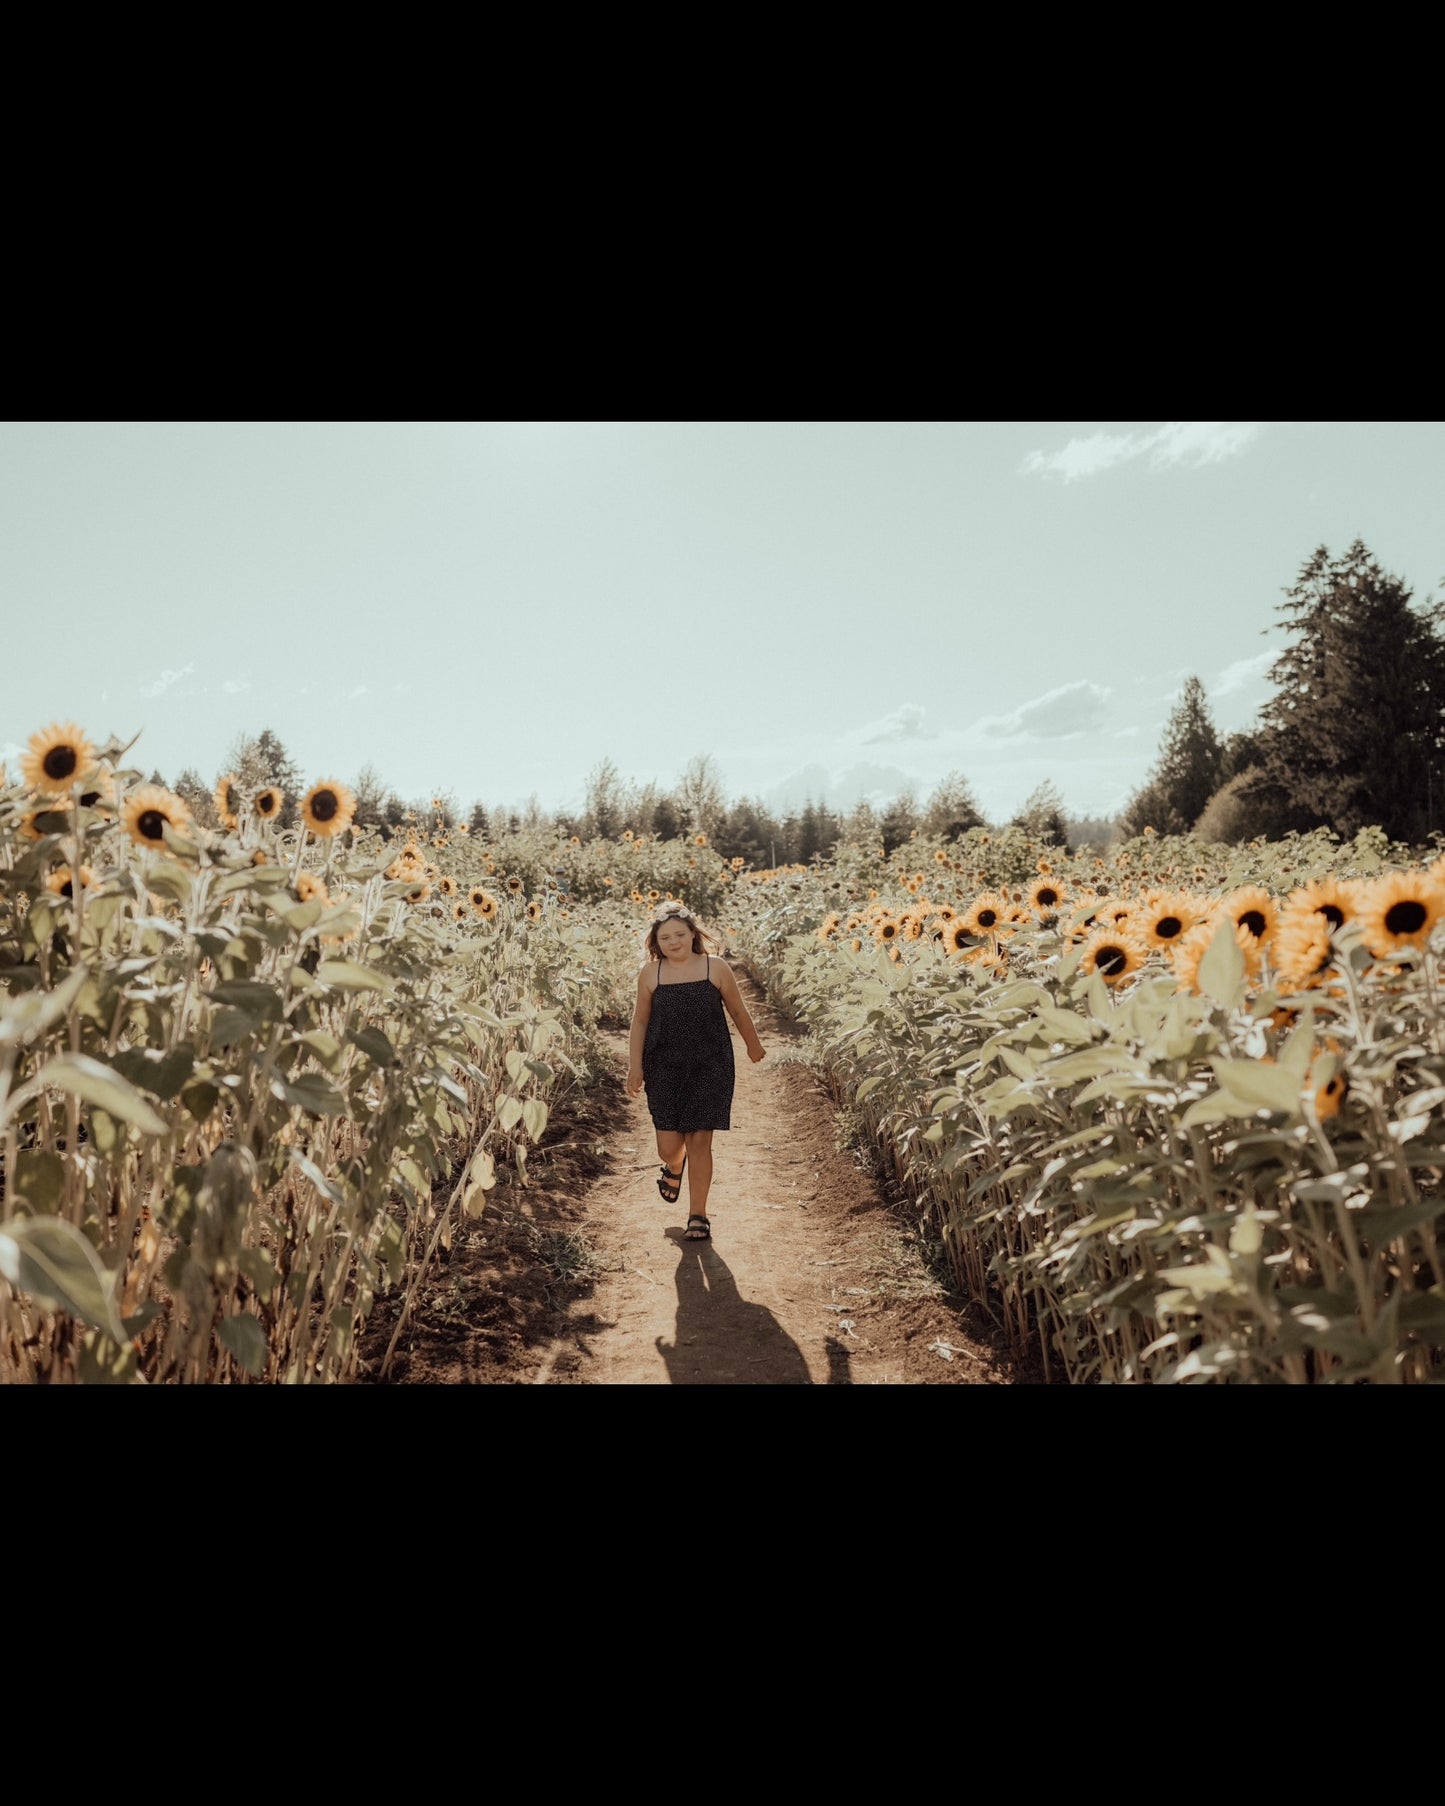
(232, 688)
(10, 751)
(905, 723)
(359, 691)
(1076, 708)
(1243, 673)
(1125, 733)
(166, 680)
(1187, 442)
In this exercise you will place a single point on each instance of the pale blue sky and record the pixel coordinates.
(494, 607)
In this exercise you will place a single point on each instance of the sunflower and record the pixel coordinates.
(1254, 910)
(737, 864)
(260, 857)
(534, 911)
(417, 893)
(627, 834)
(1398, 910)
(56, 757)
(62, 880)
(956, 937)
(855, 945)
(267, 803)
(35, 824)
(1330, 1096)
(228, 803)
(653, 896)
(1190, 949)
(459, 912)
(912, 927)
(1302, 949)
(609, 882)
(310, 888)
(1112, 955)
(940, 857)
(476, 896)
(1333, 898)
(149, 811)
(1165, 916)
(699, 840)
(985, 912)
(327, 808)
(990, 958)
(447, 886)
(885, 930)
(484, 903)
(101, 795)
(1047, 897)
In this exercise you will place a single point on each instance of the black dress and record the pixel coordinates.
(687, 1056)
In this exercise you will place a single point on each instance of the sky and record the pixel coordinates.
(834, 609)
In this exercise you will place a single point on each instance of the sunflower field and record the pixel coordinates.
(1175, 1114)
(252, 1079)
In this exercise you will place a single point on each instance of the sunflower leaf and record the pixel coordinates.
(52, 1261)
(101, 1085)
(1221, 971)
(345, 975)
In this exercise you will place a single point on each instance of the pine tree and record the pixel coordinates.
(1188, 771)
(899, 822)
(1042, 815)
(952, 809)
(1353, 736)
(604, 801)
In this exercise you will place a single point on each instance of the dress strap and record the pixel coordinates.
(708, 957)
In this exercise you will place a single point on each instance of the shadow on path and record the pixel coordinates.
(721, 1339)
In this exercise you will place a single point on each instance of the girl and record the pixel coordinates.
(682, 1051)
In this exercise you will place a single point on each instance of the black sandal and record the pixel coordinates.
(701, 1232)
(673, 1179)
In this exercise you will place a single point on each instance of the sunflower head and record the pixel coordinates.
(447, 886)
(61, 882)
(1252, 908)
(1046, 897)
(534, 911)
(310, 888)
(514, 884)
(699, 840)
(267, 803)
(149, 811)
(1165, 917)
(1398, 910)
(327, 808)
(484, 903)
(227, 799)
(417, 893)
(56, 758)
(459, 912)
(1114, 956)
(986, 912)
(956, 937)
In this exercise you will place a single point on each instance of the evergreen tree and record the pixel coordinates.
(952, 809)
(370, 792)
(604, 801)
(900, 820)
(700, 796)
(194, 794)
(666, 822)
(480, 826)
(810, 833)
(1353, 735)
(262, 759)
(1188, 771)
(1042, 815)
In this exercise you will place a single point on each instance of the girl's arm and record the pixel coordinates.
(738, 1010)
(640, 1016)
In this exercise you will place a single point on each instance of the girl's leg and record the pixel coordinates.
(699, 1170)
(670, 1145)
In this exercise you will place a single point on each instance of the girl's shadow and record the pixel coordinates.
(721, 1339)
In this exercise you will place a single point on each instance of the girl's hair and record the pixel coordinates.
(677, 912)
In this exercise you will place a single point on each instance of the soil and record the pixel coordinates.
(815, 1275)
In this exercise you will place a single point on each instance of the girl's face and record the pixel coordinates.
(675, 939)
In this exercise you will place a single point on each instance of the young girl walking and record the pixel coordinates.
(682, 1052)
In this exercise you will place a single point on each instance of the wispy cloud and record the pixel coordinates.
(905, 723)
(359, 691)
(1187, 442)
(1076, 708)
(1244, 672)
(233, 688)
(166, 680)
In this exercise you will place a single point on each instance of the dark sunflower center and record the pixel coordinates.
(1253, 920)
(325, 805)
(1112, 960)
(1046, 898)
(60, 762)
(67, 889)
(1332, 913)
(1167, 927)
(987, 918)
(1406, 917)
(266, 803)
(89, 798)
(152, 824)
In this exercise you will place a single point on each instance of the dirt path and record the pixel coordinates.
(582, 1277)
(809, 1277)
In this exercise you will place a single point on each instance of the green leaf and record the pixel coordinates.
(261, 1001)
(304, 915)
(52, 1261)
(1221, 971)
(311, 1092)
(167, 879)
(246, 1339)
(104, 1361)
(24, 1017)
(326, 1047)
(374, 1045)
(1258, 1086)
(160, 1073)
(228, 1027)
(39, 1178)
(510, 1113)
(344, 975)
(534, 1117)
(259, 1268)
(102, 1085)
(867, 1088)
